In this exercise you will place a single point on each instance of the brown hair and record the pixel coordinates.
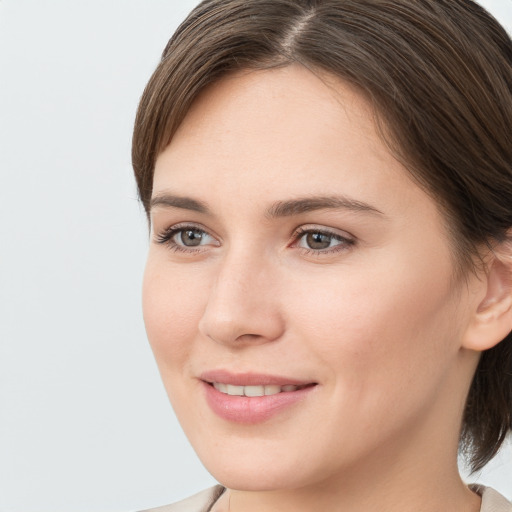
(439, 74)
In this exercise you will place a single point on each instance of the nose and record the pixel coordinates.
(242, 306)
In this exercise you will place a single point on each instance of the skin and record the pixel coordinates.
(380, 323)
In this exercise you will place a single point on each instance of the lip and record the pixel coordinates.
(250, 379)
(252, 410)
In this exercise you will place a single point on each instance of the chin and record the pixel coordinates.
(261, 480)
(254, 471)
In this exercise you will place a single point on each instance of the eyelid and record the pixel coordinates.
(315, 228)
(346, 239)
(165, 236)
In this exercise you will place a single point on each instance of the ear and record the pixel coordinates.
(492, 318)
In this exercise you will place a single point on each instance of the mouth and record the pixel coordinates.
(256, 391)
(251, 398)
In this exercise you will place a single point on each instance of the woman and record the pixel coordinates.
(328, 292)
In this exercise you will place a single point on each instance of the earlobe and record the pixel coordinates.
(492, 319)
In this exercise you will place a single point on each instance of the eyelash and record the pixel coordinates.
(166, 238)
(344, 245)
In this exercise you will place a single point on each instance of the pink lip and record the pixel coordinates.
(251, 410)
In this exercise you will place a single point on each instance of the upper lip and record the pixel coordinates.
(250, 379)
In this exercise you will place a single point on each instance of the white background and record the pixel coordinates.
(84, 421)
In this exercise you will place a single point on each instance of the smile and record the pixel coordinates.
(250, 398)
(254, 391)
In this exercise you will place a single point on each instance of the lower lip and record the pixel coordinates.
(252, 410)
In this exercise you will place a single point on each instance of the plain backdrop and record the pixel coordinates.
(84, 421)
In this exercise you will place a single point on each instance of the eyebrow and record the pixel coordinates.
(278, 209)
(185, 203)
(309, 204)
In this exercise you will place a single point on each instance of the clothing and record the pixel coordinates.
(492, 501)
(200, 502)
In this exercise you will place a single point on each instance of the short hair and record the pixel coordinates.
(438, 74)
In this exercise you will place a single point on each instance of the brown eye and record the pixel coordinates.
(322, 241)
(186, 238)
(190, 237)
(318, 241)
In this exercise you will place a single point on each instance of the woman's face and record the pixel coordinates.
(293, 257)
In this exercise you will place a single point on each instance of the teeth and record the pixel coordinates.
(272, 390)
(223, 388)
(253, 391)
(235, 390)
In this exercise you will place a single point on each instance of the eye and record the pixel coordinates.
(185, 238)
(316, 240)
(191, 237)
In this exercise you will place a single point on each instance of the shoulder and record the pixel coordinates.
(492, 501)
(200, 502)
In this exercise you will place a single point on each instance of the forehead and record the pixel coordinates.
(283, 131)
(260, 104)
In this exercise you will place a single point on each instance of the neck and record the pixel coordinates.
(392, 489)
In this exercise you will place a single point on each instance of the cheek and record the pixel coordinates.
(385, 325)
(385, 342)
(172, 306)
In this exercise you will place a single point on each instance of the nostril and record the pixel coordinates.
(248, 337)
